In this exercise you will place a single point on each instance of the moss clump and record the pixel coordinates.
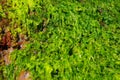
(68, 40)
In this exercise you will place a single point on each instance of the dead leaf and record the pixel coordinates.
(24, 75)
(6, 56)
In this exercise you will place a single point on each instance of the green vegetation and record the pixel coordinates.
(68, 39)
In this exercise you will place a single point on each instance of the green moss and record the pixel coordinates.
(81, 40)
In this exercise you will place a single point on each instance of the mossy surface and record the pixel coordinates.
(67, 40)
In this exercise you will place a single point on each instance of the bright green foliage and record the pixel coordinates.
(81, 41)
